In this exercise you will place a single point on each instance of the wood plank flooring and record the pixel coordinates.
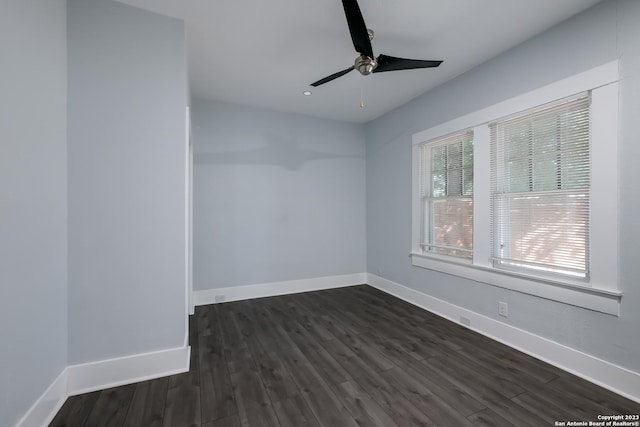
(344, 357)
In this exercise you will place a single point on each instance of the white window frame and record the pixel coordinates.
(601, 292)
(427, 213)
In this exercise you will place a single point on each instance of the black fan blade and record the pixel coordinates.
(357, 28)
(391, 63)
(332, 77)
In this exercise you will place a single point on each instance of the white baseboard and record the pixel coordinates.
(104, 374)
(238, 293)
(47, 406)
(605, 374)
(87, 377)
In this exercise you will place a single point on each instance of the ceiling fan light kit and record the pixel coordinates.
(366, 63)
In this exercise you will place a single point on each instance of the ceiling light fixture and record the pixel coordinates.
(307, 93)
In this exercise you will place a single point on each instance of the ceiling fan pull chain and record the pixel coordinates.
(361, 90)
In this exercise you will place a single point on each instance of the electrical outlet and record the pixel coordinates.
(219, 298)
(503, 309)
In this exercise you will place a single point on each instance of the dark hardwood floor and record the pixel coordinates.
(344, 357)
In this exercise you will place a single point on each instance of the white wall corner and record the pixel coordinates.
(87, 377)
(47, 406)
(239, 293)
(615, 378)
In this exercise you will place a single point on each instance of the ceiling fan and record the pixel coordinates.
(367, 63)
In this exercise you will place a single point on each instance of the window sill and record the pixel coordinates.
(596, 299)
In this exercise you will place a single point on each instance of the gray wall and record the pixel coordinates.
(126, 158)
(608, 31)
(277, 196)
(33, 202)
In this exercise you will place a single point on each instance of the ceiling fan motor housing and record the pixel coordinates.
(365, 65)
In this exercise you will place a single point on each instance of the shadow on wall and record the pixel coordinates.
(279, 151)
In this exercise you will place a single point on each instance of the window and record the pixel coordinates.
(523, 194)
(540, 169)
(447, 196)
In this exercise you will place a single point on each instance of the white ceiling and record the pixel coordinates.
(266, 53)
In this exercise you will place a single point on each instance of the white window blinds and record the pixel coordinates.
(540, 178)
(446, 194)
